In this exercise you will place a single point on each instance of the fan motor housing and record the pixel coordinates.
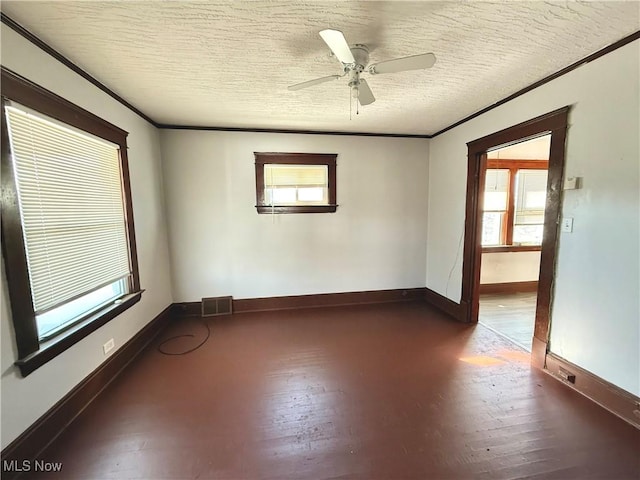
(361, 54)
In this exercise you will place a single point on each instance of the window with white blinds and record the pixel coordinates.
(70, 194)
(296, 184)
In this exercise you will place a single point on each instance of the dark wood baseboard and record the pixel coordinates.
(49, 426)
(266, 304)
(510, 287)
(442, 303)
(618, 401)
(326, 300)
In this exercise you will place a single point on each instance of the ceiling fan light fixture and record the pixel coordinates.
(354, 61)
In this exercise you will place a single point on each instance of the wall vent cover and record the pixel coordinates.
(212, 306)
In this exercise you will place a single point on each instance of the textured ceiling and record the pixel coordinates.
(228, 64)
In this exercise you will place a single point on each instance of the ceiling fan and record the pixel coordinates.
(355, 61)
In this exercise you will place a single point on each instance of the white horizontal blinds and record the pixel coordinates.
(531, 192)
(295, 175)
(71, 203)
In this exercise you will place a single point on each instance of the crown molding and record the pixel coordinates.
(19, 29)
(65, 61)
(276, 130)
(594, 56)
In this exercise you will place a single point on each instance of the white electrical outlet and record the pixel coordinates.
(107, 347)
(567, 224)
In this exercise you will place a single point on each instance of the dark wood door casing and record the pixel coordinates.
(554, 123)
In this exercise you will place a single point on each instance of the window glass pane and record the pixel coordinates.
(311, 194)
(531, 192)
(50, 322)
(282, 195)
(495, 201)
(527, 234)
(495, 189)
(491, 228)
(529, 219)
(535, 200)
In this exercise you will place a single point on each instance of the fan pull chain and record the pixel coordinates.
(350, 102)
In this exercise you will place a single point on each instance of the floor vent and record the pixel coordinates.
(217, 306)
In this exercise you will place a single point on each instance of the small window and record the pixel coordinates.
(67, 221)
(295, 183)
(531, 194)
(514, 203)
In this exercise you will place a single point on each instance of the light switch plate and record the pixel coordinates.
(567, 224)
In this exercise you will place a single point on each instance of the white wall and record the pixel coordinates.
(506, 267)
(24, 400)
(220, 245)
(595, 314)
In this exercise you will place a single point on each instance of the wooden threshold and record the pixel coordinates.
(508, 287)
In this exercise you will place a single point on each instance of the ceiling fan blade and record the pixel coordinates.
(365, 95)
(338, 45)
(311, 83)
(414, 62)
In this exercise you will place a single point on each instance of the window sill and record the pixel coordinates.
(50, 349)
(512, 248)
(296, 208)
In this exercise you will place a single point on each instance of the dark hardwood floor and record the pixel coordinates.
(392, 391)
(511, 314)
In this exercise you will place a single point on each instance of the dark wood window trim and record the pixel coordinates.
(507, 227)
(517, 164)
(554, 123)
(279, 158)
(32, 352)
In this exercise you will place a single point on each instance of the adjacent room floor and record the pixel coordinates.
(392, 391)
(512, 315)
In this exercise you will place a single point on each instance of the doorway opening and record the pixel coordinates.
(524, 226)
(515, 187)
